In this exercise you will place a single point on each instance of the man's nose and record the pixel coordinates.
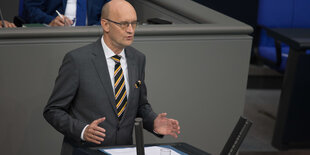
(130, 29)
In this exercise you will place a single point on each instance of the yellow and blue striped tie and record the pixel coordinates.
(119, 87)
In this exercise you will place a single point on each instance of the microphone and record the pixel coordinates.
(139, 136)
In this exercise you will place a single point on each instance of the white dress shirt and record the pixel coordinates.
(70, 11)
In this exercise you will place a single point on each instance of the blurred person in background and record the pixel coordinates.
(69, 12)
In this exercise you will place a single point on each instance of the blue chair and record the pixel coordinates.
(21, 8)
(279, 14)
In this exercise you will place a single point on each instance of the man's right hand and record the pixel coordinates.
(58, 21)
(94, 133)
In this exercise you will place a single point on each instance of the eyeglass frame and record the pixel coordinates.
(124, 24)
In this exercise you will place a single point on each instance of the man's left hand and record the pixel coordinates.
(7, 24)
(166, 126)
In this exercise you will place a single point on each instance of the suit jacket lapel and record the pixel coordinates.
(100, 63)
(132, 70)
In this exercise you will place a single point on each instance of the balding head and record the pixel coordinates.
(118, 22)
(114, 6)
(105, 11)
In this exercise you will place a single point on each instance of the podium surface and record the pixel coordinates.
(184, 147)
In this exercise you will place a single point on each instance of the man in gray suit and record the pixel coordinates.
(85, 105)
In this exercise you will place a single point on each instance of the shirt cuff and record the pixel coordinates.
(83, 133)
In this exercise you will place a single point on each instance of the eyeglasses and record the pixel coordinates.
(124, 25)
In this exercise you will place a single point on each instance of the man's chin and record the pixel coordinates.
(127, 43)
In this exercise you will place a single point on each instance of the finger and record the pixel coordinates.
(95, 130)
(65, 20)
(173, 134)
(175, 127)
(68, 20)
(55, 22)
(92, 137)
(171, 122)
(59, 22)
(177, 130)
(99, 129)
(95, 135)
(98, 121)
(11, 25)
(61, 19)
(175, 123)
(163, 115)
(100, 134)
(96, 138)
(93, 140)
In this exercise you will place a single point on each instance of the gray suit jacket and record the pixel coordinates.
(83, 93)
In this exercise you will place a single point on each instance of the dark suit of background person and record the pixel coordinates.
(83, 90)
(44, 11)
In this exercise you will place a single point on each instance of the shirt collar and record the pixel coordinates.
(109, 53)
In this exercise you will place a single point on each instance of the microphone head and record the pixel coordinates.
(138, 119)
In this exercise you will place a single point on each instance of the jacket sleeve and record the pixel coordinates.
(35, 11)
(94, 11)
(57, 110)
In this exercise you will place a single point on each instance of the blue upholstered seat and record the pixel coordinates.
(280, 14)
(20, 8)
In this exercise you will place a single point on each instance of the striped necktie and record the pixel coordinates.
(119, 87)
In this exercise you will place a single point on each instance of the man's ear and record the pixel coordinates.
(105, 26)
